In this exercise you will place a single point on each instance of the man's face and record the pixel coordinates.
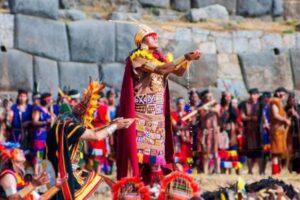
(180, 106)
(49, 101)
(227, 97)
(23, 98)
(282, 96)
(266, 100)
(74, 102)
(194, 98)
(254, 97)
(111, 98)
(37, 101)
(19, 156)
(151, 41)
(208, 97)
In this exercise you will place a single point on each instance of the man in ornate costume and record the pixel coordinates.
(12, 177)
(279, 124)
(65, 138)
(250, 112)
(210, 129)
(145, 97)
(228, 126)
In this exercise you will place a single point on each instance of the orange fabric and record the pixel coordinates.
(278, 132)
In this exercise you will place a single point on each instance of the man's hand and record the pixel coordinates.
(194, 55)
(287, 122)
(123, 123)
(41, 179)
(60, 181)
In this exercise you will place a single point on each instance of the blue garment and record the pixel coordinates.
(112, 112)
(16, 133)
(266, 132)
(56, 109)
(40, 133)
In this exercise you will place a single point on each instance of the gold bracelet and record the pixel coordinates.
(51, 192)
(25, 191)
(179, 60)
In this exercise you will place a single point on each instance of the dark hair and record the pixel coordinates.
(179, 99)
(43, 96)
(253, 91)
(109, 92)
(192, 92)
(203, 93)
(21, 91)
(223, 102)
(281, 89)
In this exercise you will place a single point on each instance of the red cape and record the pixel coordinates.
(126, 143)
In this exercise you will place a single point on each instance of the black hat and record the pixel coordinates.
(74, 94)
(266, 95)
(281, 89)
(253, 91)
(203, 93)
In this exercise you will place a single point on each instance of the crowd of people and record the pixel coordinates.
(28, 124)
(227, 135)
(220, 137)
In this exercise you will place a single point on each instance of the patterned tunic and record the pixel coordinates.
(149, 107)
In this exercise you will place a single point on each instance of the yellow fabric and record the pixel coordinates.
(143, 53)
(89, 187)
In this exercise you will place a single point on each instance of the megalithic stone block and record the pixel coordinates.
(42, 37)
(16, 69)
(40, 8)
(92, 41)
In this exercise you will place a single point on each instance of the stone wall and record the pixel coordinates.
(37, 47)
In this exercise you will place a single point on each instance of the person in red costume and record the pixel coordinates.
(148, 143)
(97, 148)
(182, 135)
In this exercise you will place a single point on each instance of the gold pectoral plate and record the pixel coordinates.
(156, 83)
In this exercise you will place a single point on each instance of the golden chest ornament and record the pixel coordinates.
(156, 82)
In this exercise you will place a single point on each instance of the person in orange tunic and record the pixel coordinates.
(279, 124)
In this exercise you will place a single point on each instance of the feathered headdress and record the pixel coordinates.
(178, 185)
(8, 151)
(132, 187)
(86, 108)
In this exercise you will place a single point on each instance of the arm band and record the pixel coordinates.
(10, 191)
(150, 66)
(111, 129)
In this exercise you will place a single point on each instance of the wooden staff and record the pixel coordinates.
(203, 107)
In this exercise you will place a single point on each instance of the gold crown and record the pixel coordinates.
(142, 33)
